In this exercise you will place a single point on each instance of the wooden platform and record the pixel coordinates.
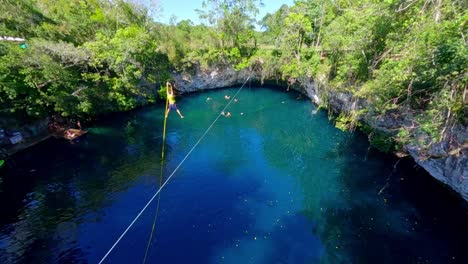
(27, 143)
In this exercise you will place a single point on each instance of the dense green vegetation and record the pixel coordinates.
(407, 58)
(82, 57)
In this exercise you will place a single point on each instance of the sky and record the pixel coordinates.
(185, 9)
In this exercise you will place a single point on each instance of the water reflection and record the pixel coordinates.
(274, 184)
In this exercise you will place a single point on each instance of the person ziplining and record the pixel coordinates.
(171, 98)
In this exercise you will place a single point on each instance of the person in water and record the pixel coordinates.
(171, 99)
(228, 114)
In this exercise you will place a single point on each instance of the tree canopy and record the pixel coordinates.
(80, 57)
(95, 56)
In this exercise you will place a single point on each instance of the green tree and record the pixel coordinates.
(120, 62)
(233, 20)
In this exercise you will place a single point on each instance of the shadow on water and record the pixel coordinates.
(391, 212)
(369, 207)
(49, 190)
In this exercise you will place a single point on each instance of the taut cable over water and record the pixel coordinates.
(172, 174)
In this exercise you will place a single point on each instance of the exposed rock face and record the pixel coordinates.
(450, 168)
(444, 162)
(214, 78)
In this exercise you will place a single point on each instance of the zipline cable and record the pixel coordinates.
(172, 174)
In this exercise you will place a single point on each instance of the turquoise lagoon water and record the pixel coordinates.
(274, 183)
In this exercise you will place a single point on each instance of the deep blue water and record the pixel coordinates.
(274, 183)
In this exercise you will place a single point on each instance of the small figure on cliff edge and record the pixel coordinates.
(171, 98)
(291, 81)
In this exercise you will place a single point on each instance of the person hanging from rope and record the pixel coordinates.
(171, 98)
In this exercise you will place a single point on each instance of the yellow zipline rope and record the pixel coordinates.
(160, 181)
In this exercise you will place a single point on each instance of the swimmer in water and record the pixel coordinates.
(228, 114)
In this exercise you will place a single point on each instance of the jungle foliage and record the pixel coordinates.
(407, 58)
(79, 58)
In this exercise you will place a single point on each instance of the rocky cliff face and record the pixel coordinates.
(447, 164)
(443, 161)
(213, 78)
